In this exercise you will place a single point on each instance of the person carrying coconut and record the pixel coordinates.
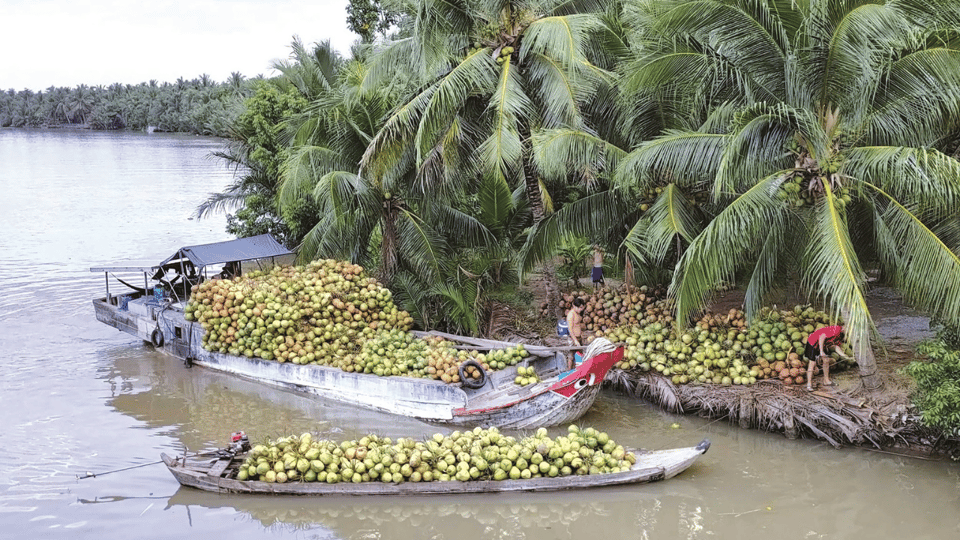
(597, 274)
(819, 344)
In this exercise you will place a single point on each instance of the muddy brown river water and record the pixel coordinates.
(77, 397)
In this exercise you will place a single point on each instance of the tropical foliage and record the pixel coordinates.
(466, 143)
(937, 392)
(815, 128)
(255, 152)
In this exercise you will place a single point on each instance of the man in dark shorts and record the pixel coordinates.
(819, 345)
(597, 273)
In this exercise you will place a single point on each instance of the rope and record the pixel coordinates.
(599, 345)
(94, 475)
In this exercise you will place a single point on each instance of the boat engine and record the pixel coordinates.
(239, 443)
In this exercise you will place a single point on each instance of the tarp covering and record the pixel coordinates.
(242, 249)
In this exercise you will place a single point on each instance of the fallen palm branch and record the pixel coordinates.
(839, 417)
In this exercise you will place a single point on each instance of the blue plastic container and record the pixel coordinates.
(562, 328)
(158, 294)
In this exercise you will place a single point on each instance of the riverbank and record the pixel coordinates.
(841, 415)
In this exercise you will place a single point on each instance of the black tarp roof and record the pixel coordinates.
(242, 249)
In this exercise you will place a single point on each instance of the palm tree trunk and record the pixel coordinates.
(551, 283)
(869, 374)
(388, 247)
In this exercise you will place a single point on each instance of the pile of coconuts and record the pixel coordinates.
(478, 454)
(606, 309)
(330, 313)
(723, 349)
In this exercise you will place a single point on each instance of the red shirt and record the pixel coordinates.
(829, 332)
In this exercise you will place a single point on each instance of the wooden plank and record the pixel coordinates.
(220, 466)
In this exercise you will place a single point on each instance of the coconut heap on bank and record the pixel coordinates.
(326, 313)
(722, 367)
(719, 349)
(479, 454)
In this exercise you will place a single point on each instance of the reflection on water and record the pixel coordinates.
(645, 514)
(200, 405)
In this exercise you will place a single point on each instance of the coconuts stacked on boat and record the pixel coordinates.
(479, 454)
(298, 314)
(724, 349)
(526, 376)
(326, 313)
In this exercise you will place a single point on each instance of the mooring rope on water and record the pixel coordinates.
(89, 474)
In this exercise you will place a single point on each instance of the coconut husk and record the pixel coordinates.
(839, 417)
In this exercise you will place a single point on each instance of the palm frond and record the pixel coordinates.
(767, 271)
(501, 152)
(557, 91)
(757, 144)
(596, 216)
(560, 153)
(561, 38)
(911, 175)
(728, 242)
(457, 304)
(686, 157)
(419, 245)
(475, 74)
(753, 47)
(300, 171)
(832, 271)
(928, 270)
(671, 218)
(919, 102)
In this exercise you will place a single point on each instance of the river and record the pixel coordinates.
(79, 397)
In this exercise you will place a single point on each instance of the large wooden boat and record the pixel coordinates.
(155, 314)
(219, 476)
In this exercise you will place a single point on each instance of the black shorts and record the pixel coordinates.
(597, 274)
(812, 353)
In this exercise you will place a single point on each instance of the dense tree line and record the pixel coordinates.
(200, 106)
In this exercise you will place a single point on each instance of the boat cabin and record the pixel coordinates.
(167, 285)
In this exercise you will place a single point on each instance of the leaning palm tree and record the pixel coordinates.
(819, 126)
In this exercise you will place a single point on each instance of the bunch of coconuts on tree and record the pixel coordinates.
(329, 313)
(719, 349)
(478, 454)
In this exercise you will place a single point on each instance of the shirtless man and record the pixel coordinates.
(573, 326)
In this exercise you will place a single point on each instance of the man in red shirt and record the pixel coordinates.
(819, 345)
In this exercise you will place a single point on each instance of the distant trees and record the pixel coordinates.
(199, 106)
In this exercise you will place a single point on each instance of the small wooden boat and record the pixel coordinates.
(219, 476)
(156, 315)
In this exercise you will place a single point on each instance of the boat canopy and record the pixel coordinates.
(242, 249)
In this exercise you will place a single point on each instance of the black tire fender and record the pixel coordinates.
(470, 382)
(157, 338)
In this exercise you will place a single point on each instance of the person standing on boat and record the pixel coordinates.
(574, 329)
(819, 345)
(597, 274)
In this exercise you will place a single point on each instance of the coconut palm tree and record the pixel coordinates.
(818, 123)
(487, 76)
